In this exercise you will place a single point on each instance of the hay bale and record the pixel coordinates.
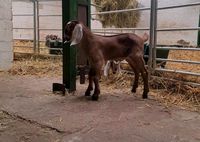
(118, 20)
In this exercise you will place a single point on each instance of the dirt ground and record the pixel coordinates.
(30, 112)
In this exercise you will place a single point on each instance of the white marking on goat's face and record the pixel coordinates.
(69, 23)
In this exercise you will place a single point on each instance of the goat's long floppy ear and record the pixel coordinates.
(77, 34)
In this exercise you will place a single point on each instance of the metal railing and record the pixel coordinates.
(154, 9)
(36, 29)
(154, 46)
(153, 29)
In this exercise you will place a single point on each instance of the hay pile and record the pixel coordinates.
(39, 66)
(167, 92)
(118, 20)
(26, 46)
(176, 93)
(184, 55)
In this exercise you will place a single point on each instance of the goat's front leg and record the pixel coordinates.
(90, 86)
(97, 74)
(95, 96)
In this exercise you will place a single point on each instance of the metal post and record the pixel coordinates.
(198, 38)
(153, 37)
(38, 26)
(69, 10)
(34, 27)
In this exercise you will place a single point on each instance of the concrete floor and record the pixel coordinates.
(30, 112)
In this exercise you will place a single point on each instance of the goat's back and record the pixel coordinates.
(119, 46)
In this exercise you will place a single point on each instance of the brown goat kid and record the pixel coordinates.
(100, 49)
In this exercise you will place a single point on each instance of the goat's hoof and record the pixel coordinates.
(95, 97)
(145, 96)
(87, 93)
(133, 90)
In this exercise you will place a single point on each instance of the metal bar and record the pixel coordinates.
(23, 28)
(178, 29)
(179, 6)
(104, 33)
(179, 48)
(23, 39)
(173, 45)
(23, 15)
(49, 29)
(151, 40)
(22, 0)
(182, 82)
(35, 26)
(155, 33)
(146, 28)
(47, 0)
(120, 11)
(177, 71)
(49, 15)
(180, 61)
(198, 37)
(23, 46)
(38, 26)
(51, 48)
(153, 26)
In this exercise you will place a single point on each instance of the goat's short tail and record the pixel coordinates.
(145, 37)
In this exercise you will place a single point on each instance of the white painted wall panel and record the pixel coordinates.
(6, 50)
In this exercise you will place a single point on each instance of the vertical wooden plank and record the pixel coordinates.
(70, 12)
(84, 17)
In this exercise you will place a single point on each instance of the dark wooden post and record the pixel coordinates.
(73, 10)
(69, 12)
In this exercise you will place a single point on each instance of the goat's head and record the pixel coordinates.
(73, 32)
(115, 66)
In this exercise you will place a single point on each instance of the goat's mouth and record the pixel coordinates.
(66, 41)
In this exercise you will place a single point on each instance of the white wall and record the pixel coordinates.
(6, 50)
(46, 22)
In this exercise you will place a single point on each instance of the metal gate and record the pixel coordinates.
(33, 21)
(153, 28)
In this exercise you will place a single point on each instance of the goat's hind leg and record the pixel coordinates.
(135, 83)
(144, 74)
(140, 69)
(90, 86)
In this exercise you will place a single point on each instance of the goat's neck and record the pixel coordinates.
(86, 42)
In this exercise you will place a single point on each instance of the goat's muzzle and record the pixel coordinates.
(66, 41)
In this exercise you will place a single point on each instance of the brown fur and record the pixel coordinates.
(99, 49)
